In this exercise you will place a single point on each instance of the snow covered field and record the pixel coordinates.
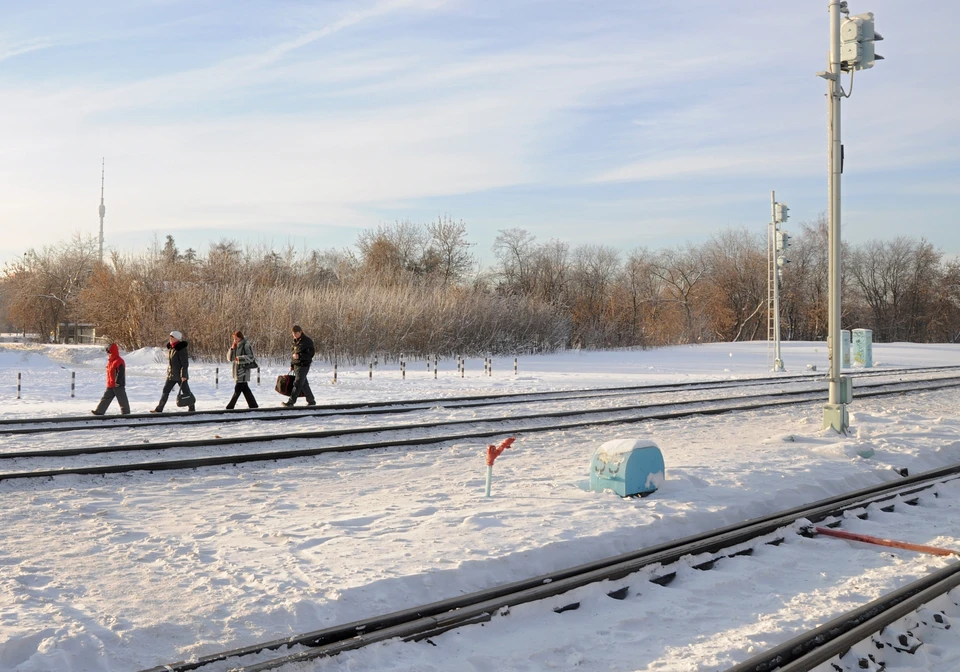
(133, 570)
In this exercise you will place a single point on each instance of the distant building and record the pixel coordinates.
(76, 332)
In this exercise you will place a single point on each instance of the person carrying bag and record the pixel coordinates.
(300, 360)
(177, 362)
(243, 362)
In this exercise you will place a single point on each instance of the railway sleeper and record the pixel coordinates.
(666, 579)
(899, 639)
(865, 663)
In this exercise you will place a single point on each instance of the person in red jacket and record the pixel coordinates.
(116, 383)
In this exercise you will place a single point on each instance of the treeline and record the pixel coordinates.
(417, 289)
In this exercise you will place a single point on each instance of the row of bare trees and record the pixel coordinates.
(418, 290)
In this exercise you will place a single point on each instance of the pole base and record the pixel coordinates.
(778, 366)
(835, 416)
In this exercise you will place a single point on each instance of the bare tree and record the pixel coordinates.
(736, 263)
(43, 286)
(449, 251)
(682, 271)
(514, 250)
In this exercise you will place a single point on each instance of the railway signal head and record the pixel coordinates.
(857, 38)
(783, 240)
(780, 212)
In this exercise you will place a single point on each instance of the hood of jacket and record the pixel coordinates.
(179, 346)
(113, 352)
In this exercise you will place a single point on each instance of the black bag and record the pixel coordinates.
(285, 385)
(185, 396)
(251, 365)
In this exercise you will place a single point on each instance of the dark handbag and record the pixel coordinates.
(285, 385)
(251, 365)
(185, 397)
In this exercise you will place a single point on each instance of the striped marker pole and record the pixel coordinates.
(258, 375)
(18, 384)
(216, 378)
(371, 370)
(73, 383)
(514, 366)
(334, 373)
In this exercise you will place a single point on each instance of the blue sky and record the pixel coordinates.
(622, 123)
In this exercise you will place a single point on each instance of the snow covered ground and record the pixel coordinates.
(133, 570)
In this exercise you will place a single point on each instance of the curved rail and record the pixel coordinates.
(809, 650)
(431, 619)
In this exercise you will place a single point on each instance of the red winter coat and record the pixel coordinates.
(116, 368)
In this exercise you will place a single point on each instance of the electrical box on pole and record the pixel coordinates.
(857, 37)
(783, 240)
(780, 212)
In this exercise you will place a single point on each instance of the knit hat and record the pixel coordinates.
(177, 335)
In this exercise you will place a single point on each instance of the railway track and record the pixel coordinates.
(839, 636)
(628, 570)
(280, 413)
(471, 429)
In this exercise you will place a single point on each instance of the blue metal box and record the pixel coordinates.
(628, 467)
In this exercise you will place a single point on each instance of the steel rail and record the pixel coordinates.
(429, 400)
(192, 443)
(809, 650)
(238, 414)
(218, 460)
(427, 620)
(359, 408)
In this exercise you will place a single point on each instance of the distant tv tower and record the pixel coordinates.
(103, 208)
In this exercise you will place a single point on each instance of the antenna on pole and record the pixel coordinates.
(103, 208)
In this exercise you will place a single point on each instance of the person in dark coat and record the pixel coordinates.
(300, 361)
(116, 383)
(176, 370)
(243, 361)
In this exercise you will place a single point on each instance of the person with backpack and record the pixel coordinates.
(116, 383)
(300, 360)
(243, 362)
(177, 362)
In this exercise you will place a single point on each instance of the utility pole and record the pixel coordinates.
(851, 49)
(103, 208)
(777, 243)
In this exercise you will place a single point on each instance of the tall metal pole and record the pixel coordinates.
(777, 359)
(103, 208)
(835, 412)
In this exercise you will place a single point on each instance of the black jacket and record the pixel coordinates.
(178, 361)
(303, 347)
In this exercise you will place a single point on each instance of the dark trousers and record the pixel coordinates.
(167, 386)
(242, 388)
(111, 392)
(300, 384)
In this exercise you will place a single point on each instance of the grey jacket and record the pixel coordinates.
(244, 352)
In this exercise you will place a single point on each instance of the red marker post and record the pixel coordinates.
(493, 452)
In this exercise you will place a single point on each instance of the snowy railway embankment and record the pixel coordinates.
(132, 570)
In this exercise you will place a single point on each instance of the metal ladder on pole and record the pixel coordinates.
(771, 278)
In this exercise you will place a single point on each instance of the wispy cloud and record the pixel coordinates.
(333, 114)
(13, 49)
